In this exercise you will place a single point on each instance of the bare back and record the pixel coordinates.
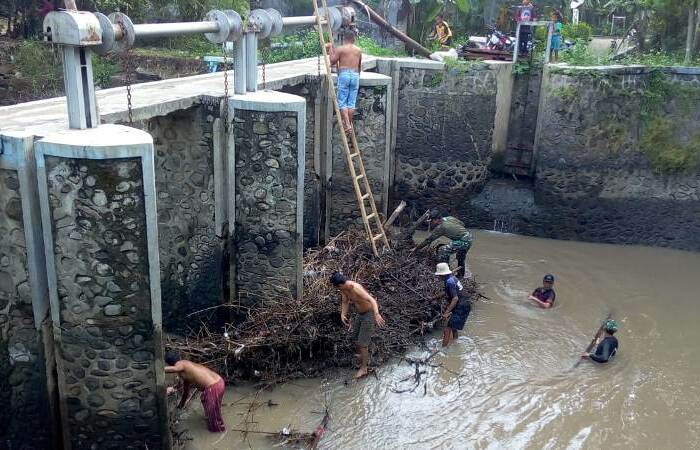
(357, 296)
(349, 56)
(196, 374)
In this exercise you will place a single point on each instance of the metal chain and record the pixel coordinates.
(224, 113)
(264, 77)
(126, 66)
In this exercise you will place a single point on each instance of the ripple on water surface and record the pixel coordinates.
(509, 381)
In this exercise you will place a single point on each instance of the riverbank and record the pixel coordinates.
(508, 382)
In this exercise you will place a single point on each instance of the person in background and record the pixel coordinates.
(525, 13)
(367, 308)
(556, 36)
(545, 295)
(606, 348)
(201, 377)
(348, 58)
(461, 238)
(442, 32)
(458, 307)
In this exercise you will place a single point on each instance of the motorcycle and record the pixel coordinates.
(495, 40)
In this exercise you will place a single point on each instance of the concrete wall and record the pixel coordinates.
(601, 167)
(26, 346)
(97, 195)
(445, 121)
(314, 93)
(267, 167)
(617, 160)
(372, 128)
(191, 251)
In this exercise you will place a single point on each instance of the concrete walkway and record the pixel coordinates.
(154, 98)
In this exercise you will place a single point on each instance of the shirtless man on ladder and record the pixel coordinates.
(348, 58)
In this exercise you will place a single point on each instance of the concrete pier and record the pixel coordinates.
(98, 208)
(266, 173)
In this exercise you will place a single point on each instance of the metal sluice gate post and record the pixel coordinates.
(80, 33)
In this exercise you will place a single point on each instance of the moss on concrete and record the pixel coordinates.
(660, 144)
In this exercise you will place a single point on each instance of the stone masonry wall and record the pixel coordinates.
(190, 251)
(618, 157)
(25, 420)
(106, 344)
(443, 137)
(312, 174)
(370, 129)
(265, 238)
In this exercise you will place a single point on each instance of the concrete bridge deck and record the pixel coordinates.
(153, 98)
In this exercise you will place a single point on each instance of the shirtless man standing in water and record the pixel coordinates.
(367, 315)
(211, 384)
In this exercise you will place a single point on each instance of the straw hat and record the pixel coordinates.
(442, 269)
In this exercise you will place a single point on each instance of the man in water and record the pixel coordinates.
(367, 309)
(442, 32)
(461, 238)
(211, 384)
(545, 295)
(348, 58)
(607, 346)
(458, 308)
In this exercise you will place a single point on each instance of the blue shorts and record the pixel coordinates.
(348, 85)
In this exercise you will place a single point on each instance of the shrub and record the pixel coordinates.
(372, 47)
(581, 31)
(102, 70)
(580, 55)
(39, 67)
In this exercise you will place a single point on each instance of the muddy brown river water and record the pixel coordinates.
(508, 382)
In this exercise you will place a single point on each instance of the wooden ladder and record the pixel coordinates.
(363, 192)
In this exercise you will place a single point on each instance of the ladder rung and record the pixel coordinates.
(371, 216)
(359, 177)
(352, 155)
(377, 237)
(365, 197)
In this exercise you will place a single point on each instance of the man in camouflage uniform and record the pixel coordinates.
(453, 229)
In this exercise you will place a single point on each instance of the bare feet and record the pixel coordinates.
(361, 373)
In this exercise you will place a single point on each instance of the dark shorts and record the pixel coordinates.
(459, 317)
(363, 328)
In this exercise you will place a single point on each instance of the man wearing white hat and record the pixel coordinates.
(458, 308)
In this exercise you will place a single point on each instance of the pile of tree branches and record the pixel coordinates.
(290, 338)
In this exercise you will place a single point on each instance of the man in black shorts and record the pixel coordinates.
(545, 295)
(458, 307)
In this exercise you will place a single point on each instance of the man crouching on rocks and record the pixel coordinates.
(367, 315)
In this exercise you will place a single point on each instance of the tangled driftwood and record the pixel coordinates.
(289, 338)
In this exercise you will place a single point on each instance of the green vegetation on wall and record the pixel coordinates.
(567, 93)
(662, 106)
(660, 137)
(661, 146)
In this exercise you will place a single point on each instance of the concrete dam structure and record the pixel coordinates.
(111, 238)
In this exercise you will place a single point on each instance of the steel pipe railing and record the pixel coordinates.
(300, 20)
(146, 30)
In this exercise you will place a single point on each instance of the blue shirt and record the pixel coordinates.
(453, 287)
